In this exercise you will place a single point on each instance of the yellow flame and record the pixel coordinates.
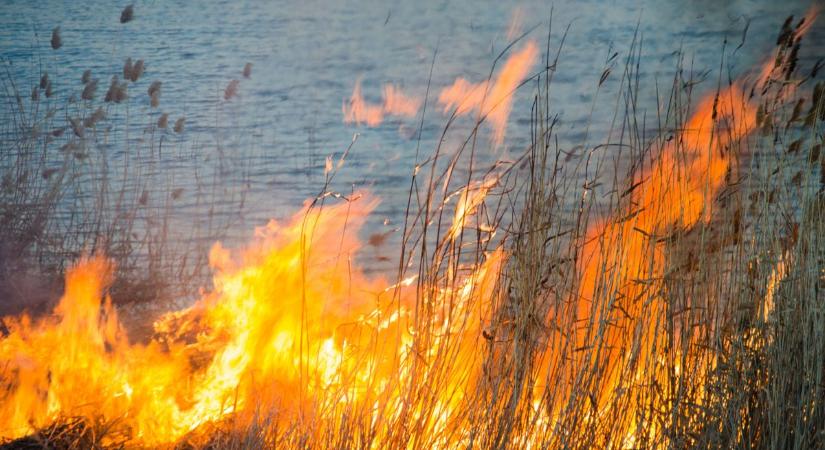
(289, 322)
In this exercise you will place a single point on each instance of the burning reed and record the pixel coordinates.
(65, 193)
(686, 313)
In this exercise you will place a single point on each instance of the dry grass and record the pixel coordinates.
(720, 345)
(74, 181)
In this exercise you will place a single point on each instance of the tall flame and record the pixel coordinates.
(623, 258)
(492, 99)
(290, 322)
(293, 324)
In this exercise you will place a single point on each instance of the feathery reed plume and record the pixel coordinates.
(179, 125)
(817, 103)
(163, 120)
(76, 127)
(154, 93)
(48, 89)
(137, 70)
(127, 69)
(57, 42)
(68, 147)
(117, 91)
(96, 117)
(231, 89)
(89, 90)
(47, 173)
(86, 77)
(127, 14)
(247, 70)
(35, 94)
(44, 80)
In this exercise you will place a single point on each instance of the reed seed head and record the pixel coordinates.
(97, 116)
(117, 91)
(57, 41)
(76, 127)
(89, 90)
(127, 14)
(179, 125)
(137, 70)
(127, 69)
(154, 93)
(231, 89)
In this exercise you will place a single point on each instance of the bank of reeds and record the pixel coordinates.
(706, 333)
(84, 173)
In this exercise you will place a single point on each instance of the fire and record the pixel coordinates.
(293, 325)
(516, 22)
(395, 103)
(273, 315)
(622, 262)
(623, 258)
(290, 322)
(471, 197)
(492, 99)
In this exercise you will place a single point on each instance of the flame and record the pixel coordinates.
(516, 23)
(622, 262)
(272, 316)
(290, 322)
(471, 197)
(777, 274)
(622, 259)
(492, 99)
(395, 103)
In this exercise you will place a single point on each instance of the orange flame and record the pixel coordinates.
(395, 103)
(623, 258)
(516, 22)
(493, 99)
(290, 322)
(471, 197)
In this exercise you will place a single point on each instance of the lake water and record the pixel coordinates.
(307, 56)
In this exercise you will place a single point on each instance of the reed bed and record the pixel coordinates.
(637, 302)
(87, 172)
